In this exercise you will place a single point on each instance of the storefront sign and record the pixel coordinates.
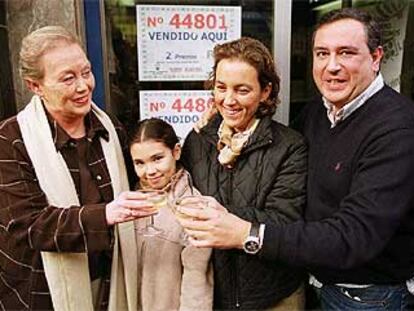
(175, 42)
(179, 108)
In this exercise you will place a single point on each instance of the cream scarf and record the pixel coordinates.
(67, 274)
(231, 143)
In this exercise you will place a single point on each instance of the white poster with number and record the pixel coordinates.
(179, 108)
(175, 42)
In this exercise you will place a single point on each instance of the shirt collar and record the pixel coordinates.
(94, 129)
(353, 105)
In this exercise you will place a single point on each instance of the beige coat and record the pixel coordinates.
(172, 276)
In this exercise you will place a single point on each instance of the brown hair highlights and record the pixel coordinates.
(257, 55)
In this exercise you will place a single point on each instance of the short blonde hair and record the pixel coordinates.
(36, 44)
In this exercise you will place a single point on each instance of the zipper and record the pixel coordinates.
(237, 282)
(235, 256)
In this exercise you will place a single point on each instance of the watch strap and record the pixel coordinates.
(261, 234)
(254, 230)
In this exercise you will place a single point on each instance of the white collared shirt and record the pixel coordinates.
(346, 110)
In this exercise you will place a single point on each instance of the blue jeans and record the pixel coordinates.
(373, 298)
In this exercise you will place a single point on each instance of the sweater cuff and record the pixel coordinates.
(98, 235)
(271, 242)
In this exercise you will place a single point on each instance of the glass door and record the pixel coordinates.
(396, 17)
(7, 99)
(257, 20)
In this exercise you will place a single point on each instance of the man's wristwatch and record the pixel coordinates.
(253, 242)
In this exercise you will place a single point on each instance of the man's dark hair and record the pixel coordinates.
(371, 26)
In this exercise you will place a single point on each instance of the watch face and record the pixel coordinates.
(251, 246)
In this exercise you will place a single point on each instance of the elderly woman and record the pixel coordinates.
(63, 188)
(253, 170)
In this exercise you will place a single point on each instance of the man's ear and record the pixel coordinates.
(377, 57)
(177, 151)
(34, 86)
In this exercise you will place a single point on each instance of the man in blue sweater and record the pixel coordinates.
(358, 241)
(358, 238)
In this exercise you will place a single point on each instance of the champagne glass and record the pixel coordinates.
(188, 201)
(189, 188)
(159, 200)
(176, 195)
(191, 201)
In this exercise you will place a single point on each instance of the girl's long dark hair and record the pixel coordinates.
(154, 129)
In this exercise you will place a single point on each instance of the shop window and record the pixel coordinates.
(257, 22)
(7, 101)
(396, 17)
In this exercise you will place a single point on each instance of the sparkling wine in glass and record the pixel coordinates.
(177, 196)
(159, 200)
(190, 201)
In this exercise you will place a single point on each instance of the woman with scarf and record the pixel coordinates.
(253, 169)
(63, 188)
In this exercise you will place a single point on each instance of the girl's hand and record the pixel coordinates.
(213, 226)
(129, 205)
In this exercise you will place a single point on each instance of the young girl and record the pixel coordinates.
(171, 276)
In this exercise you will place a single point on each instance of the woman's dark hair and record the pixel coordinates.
(371, 26)
(154, 129)
(256, 54)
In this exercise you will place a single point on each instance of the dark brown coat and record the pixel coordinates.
(28, 224)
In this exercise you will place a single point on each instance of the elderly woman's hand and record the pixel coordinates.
(213, 226)
(129, 205)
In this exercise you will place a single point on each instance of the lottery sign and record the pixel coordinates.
(179, 108)
(175, 42)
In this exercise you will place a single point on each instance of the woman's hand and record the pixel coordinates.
(129, 205)
(213, 226)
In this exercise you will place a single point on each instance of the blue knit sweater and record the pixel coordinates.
(360, 213)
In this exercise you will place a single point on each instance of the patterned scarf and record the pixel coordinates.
(231, 143)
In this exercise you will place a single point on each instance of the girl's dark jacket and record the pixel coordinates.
(266, 185)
